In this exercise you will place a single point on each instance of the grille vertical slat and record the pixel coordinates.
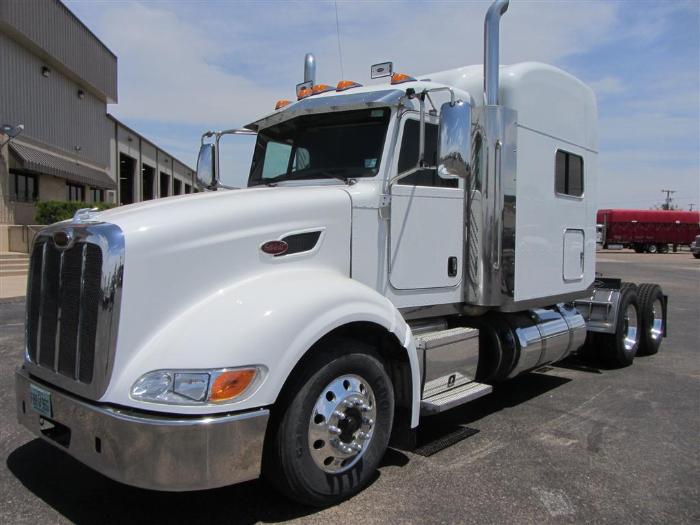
(49, 307)
(70, 310)
(34, 300)
(90, 297)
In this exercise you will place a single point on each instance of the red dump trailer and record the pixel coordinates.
(648, 230)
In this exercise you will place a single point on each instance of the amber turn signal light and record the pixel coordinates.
(231, 383)
(281, 103)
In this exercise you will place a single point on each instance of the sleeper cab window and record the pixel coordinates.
(568, 177)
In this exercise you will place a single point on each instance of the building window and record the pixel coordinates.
(97, 195)
(75, 192)
(23, 187)
(568, 174)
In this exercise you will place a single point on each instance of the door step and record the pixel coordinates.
(453, 397)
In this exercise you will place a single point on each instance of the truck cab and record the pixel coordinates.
(398, 250)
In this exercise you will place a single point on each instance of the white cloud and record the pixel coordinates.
(174, 70)
(607, 86)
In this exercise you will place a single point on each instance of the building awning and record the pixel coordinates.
(45, 162)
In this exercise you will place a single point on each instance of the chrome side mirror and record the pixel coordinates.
(206, 175)
(454, 142)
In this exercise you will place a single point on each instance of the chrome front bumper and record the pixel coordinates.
(168, 452)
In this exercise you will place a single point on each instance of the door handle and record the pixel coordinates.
(452, 264)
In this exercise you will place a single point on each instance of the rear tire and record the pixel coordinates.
(696, 255)
(651, 248)
(620, 348)
(651, 300)
(309, 454)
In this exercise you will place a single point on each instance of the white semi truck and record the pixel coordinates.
(400, 248)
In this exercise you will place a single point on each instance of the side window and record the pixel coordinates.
(302, 159)
(408, 156)
(568, 177)
(276, 159)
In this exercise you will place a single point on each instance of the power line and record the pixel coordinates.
(668, 193)
(340, 51)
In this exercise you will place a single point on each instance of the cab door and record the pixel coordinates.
(426, 223)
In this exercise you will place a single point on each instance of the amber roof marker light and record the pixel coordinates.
(400, 78)
(344, 85)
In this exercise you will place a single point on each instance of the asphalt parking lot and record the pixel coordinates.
(577, 443)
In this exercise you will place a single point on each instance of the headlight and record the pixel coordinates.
(193, 387)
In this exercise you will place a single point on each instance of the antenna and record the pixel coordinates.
(337, 29)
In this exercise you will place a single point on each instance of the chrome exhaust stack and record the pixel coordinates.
(490, 278)
(310, 68)
(492, 24)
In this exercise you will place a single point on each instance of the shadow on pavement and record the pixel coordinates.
(82, 495)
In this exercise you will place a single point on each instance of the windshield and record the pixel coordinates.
(341, 145)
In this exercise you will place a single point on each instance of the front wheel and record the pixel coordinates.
(332, 425)
(652, 248)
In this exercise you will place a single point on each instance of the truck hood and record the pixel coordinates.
(181, 251)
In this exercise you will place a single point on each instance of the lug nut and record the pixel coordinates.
(334, 430)
(368, 421)
(340, 415)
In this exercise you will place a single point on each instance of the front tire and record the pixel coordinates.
(331, 427)
(651, 248)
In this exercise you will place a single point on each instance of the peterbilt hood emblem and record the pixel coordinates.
(63, 239)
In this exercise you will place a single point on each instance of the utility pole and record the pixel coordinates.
(668, 193)
(691, 206)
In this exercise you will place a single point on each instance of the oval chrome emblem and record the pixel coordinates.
(275, 248)
(62, 239)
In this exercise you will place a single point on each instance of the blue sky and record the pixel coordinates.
(185, 67)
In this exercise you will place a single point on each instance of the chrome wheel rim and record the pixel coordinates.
(630, 337)
(342, 423)
(657, 323)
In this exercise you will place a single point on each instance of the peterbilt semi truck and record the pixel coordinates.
(650, 231)
(400, 248)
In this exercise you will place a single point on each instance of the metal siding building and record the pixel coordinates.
(56, 78)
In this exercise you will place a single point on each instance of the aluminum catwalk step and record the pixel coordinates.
(453, 397)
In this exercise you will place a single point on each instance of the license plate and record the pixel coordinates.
(41, 400)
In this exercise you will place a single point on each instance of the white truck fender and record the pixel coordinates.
(271, 320)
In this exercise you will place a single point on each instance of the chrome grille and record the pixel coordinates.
(72, 306)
